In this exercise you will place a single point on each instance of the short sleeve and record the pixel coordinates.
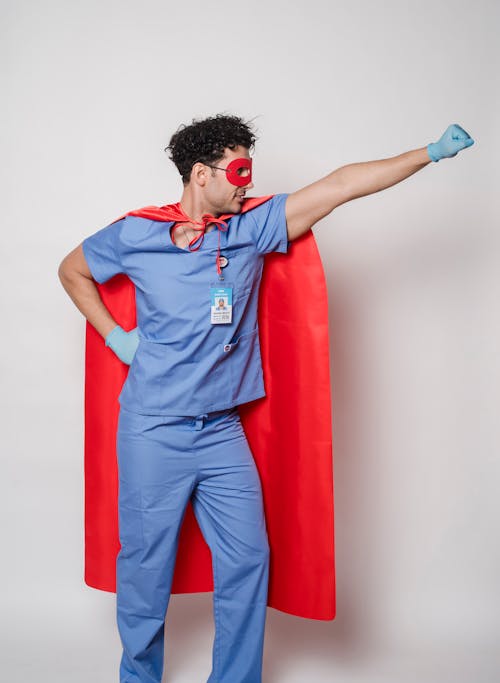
(270, 225)
(102, 252)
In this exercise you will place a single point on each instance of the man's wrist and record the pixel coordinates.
(109, 329)
(432, 152)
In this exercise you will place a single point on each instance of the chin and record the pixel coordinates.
(233, 207)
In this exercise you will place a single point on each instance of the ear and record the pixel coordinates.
(200, 173)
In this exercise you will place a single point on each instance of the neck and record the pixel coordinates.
(195, 207)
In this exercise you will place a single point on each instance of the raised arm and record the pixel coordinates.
(307, 206)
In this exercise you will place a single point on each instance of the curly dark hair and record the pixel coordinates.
(205, 140)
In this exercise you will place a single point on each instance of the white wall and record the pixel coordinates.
(92, 92)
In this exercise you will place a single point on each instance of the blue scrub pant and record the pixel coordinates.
(163, 462)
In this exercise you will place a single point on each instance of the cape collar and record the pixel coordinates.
(174, 213)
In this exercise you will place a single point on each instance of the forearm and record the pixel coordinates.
(367, 177)
(85, 295)
(315, 201)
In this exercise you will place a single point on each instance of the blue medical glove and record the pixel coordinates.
(450, 143)
(124, 344)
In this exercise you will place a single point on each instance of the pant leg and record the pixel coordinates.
(229, 509)
(156, 478)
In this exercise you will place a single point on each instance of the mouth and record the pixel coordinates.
(241, 197)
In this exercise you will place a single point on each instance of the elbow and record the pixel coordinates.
(74, 266)
(65, 272)
(61, 271)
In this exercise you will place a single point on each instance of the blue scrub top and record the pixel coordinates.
(184, 364)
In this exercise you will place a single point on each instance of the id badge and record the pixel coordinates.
(221, 303)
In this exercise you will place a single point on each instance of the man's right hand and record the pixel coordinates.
(124, 344)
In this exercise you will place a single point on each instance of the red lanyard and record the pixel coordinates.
(206, 218)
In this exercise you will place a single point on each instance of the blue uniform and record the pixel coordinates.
(180, 437)
(184, 364)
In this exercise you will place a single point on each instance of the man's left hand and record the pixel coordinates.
(450, 143)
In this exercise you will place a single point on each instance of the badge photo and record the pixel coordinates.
(221, 304)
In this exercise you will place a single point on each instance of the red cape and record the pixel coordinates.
(288, 430)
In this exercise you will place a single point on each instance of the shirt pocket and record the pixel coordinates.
(241, 270)
(142, 386)
(245, 363)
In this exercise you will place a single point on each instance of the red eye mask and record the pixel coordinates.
(239, 171)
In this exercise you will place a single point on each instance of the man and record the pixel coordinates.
(179, 433)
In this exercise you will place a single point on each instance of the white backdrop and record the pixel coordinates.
(92, 93)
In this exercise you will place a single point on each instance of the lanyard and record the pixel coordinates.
(206, 218)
